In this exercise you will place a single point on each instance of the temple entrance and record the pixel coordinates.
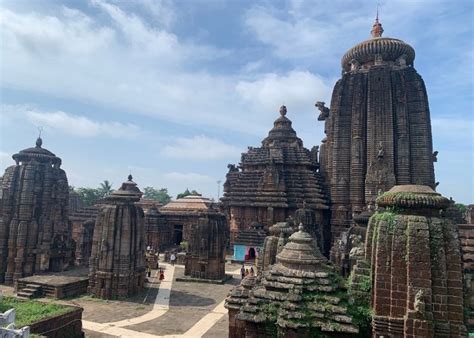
(177, 234)
(252, 254)
(56, 264)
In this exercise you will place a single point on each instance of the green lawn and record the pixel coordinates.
(28, 312)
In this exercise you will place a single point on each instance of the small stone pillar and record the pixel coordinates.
(117, 265)
(416, 266)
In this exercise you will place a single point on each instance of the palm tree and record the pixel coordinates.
(105, 188)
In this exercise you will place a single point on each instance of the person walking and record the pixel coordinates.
(252, 272)
(172, 258)
(242, 271)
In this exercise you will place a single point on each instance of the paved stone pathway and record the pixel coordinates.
(191, 314)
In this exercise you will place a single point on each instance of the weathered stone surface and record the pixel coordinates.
(35, 233)
(82, 223)
(378, 129)
(298, 296)
(117, 264)
(205, 258)
(415, 259)
(273, 181)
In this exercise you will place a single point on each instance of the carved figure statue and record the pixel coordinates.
(435, 156)
(380, 152)
(324, 111)
(355, 65)
(419, 304)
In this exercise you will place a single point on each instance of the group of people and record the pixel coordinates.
(244, 272)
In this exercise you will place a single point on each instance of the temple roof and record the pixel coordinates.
(37, 153)
(190, 203)
(281, 173)
(389, 49)
(128, 191)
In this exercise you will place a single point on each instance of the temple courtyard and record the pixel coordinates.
(164, 309)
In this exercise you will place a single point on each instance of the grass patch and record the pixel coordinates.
(29, 312)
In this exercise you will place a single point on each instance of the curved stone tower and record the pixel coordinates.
(378, 128)
(415, 258)
(117, 264)
(273, 181)
(34, 228)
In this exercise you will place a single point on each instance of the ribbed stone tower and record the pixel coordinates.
(117, 264)
(415, 258)
(378, 129)
(34, 229)
(274, 180)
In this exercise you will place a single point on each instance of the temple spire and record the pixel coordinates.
(377, 29)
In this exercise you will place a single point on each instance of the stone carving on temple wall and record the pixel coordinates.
(323, 110)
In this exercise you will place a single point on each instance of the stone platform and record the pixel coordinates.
(55, 286)
(203, 280)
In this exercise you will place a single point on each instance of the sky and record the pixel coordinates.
(173, 91)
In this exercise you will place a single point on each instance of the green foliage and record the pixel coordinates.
(29, 312)
(461, 207)
(188, 193)
(89, 196)
(184, 245)
(160, 195)
(105, 189)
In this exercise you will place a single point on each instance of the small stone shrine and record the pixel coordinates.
(35, 234)
(273, 244)
(117, 264)
(415, 258)
(205, 258)
(299, 296)
(249, 243)
(273, 181)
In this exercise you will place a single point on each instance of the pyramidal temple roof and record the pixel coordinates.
(281, 173)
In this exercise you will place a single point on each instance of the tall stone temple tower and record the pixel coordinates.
(273, 181)
(34, 227)
(117, 264)
(378, 129)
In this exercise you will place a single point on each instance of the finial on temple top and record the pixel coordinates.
(39, 141)
(377, 29)
(283, 110)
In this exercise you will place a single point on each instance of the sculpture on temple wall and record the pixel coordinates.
(323, 110)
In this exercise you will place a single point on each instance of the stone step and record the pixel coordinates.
(22, 294)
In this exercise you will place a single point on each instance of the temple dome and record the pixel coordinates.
(37, 153)
(389, 49)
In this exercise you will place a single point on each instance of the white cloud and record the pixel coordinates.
(297, 89)
(82, 126)
(5, 160)
(201, 148)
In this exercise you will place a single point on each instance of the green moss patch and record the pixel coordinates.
(29, 312)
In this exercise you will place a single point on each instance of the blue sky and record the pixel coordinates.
(174, 91)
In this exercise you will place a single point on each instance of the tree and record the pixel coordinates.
(89, 196)
(105, 189)
(160, 195)
(188, 193)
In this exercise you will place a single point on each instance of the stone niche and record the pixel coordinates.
(415, 258)
(117, 264)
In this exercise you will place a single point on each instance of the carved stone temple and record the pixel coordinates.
(298, 296)
(205, 259)
(415, 259)
(273, 181)
(34, 229)
(378, 129)
(117, 264)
